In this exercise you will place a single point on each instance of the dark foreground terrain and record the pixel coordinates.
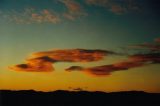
(76, 98)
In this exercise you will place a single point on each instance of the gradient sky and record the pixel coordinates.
(31, 26)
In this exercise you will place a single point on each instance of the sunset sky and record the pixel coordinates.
(95, 45)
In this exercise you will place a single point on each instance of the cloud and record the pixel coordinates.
(47, 67)
(42, 61)
(41, 64)
(74, 55)
(106, 70)
(31, 15)
(75, 68)
(157, 40)
(133, 61)
(150, 58)
(44, 16)
(116, 6)
(149, 46)
(104, 3)
(78, 89)
(74, 9)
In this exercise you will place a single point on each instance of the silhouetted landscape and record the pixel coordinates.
(61, 98)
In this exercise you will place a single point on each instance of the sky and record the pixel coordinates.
(94, 45)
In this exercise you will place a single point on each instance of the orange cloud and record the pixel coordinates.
(134, 61)
(74, 55)
(47, 67)
(42, 61)
(42, 64)
(106, 70)
(75, 10)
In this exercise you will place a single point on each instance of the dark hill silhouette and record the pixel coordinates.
(80, 98)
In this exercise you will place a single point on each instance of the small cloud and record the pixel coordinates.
(44, 16)
(74, 9)
(78, 89)
(117, 9)
(149, 46)
(146, 58)
(157, 40)
(74, 68)
(104, 3)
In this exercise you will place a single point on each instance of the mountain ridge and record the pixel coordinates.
(77, 97)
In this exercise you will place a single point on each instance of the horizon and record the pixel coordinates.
(93, 45)
(82, 90)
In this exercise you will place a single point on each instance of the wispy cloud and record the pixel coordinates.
(31, 15)
(116, 6)
(45, 16)
(74, 9)
(150, 58)
(157, 40)
(42, 61)
(149, 46)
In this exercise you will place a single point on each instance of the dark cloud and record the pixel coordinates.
(77, 89)
(22, 66)
(43, 58)
(72, 68)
